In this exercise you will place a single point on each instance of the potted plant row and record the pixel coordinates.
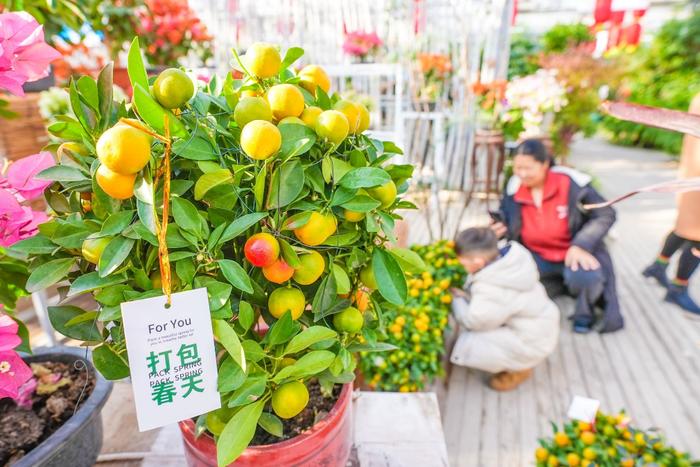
(263, 190)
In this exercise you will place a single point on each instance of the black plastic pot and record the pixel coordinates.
(77, 442)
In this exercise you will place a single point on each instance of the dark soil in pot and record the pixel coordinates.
(21, 429)
(316, 410)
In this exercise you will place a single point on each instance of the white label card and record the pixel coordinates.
(583, 409)
(171, 357)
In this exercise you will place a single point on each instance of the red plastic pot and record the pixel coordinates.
(325, 444)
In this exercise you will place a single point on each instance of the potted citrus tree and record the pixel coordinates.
(264, 191)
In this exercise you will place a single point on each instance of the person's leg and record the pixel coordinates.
(657, 269)
(587, 287)
(551, 276)
(678, 289)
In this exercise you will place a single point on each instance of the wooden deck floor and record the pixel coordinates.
(651, 368)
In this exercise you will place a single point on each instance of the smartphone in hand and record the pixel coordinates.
(496, 216)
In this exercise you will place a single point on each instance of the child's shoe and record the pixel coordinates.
(509, 380)
(657, 271)
(678, 294)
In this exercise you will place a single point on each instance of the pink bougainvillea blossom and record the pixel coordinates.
(20, 184)
(13, 371)
(24, 56)
(360, 43)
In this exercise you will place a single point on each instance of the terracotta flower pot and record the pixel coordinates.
(325, 444)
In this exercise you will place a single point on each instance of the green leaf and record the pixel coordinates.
(286, 184)
(85, 317)
(339, 168)
(308, 337)
(376, 347)
(409, 260)
(288, 254)
(246, 316)
(195, 148)
(249, 391)
(210, 180)
(322, 99)
(92, 281)
(236, 275)
(390, 278)
(88, 90)
(105, 91)
(238, 433)
(297, 220)
(186, 215)
(84, 331)
(271, 423)
(112, 295)
(253, 351)
(391, 148)
(259, 187)
(116, 223)
(365, 177)
(341, 279)
(62, 173)
(361, 203)
(241, 224)
(49, 273)
(109, 363)
(135, 66)
(282, 330)
(147, 215)
(296, 140)
(310, 364)
(343, 239)
(36, 245)
(154, 115)
(326, 299)
(229, 339)
(231, 376)
(292, 55)
(114, 255)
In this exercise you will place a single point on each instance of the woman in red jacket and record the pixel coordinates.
(542, 210)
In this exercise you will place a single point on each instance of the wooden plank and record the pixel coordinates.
(509, 435)
(453, 419)
(545, 409)
(471, 414)
(527, 421)
(490, 426)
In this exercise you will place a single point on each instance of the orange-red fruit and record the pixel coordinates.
(262, 249)
(278, 272)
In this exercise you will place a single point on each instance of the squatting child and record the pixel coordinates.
(508, 323)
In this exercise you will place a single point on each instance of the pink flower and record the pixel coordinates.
(21, 175)
(25, 393)
(13, 371)
(24, 56)
(17, 221)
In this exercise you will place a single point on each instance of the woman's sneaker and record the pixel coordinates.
(678, 294)
(657, 271)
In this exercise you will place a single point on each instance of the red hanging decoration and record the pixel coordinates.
(601, 13)
(617, 17)
(631, 34)
(638, 14)
(515, 12)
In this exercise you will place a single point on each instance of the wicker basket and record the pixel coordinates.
(26, 133)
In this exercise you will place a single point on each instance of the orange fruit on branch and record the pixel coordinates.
(261, 249)
(124, 149)
(286, 100)
(289, 399)
(260, 139)
(286, 299)
(173, 88)
(333, 126)
(251, 108)
(116, 185)
(262, 60)
(351, 111)
(312, 76)
(92, 248)
(349, 320)
(310, 269)
(317, 229)
(310, 115)
(385, 194)
(278, 272)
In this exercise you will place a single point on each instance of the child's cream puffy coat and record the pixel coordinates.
(511, 323)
